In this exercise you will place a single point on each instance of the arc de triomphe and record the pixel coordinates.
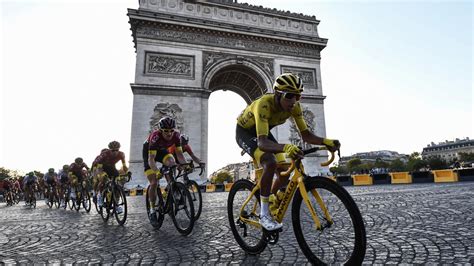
(187, 49)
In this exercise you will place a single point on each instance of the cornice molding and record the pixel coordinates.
(143, 29)
(162, 90)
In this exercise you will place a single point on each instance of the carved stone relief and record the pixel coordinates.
(169, 65)
(295, 136)
(233, 41)
(166, 109)
(211, 59)
(308, 75)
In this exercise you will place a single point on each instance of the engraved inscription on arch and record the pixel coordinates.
(308, 75)
(169, 65)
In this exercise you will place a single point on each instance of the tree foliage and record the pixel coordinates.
(222, 176)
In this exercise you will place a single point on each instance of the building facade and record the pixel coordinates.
(448, 151)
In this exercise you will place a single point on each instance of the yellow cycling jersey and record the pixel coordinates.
(264, 114)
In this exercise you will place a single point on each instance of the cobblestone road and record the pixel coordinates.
(415, 223)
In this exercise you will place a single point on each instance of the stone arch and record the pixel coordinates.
(187, 49)
(225, 75)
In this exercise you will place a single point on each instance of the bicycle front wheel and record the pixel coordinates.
(86, 200)
(340, 241)
(182, 210)
(120, 205)
(158, 203)
(196, 197)
(248, 232)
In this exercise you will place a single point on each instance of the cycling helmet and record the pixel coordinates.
(51, 170)
(288, 82)
(167, 123)
(31, 174)
(65, 167)
(78, 160)
(114, 145)
(184, 139)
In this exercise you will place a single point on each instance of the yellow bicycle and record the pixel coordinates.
(328, 225)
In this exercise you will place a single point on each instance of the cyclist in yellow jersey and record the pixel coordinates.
(254, 136)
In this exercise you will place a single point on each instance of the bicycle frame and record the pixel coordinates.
(295, 183)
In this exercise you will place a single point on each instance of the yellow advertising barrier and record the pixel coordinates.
(228, 186)
(362, 180)
(210, 188)
(133, 192)
(445, 176)
(401, 178)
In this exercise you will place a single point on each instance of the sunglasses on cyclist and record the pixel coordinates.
(167, 130)
(289, 96)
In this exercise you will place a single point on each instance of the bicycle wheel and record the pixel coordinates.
(106, 207)
(86, 200)
(159, 213)
(248, 236)
(182, 208)
(77, 202)
(341, 242)
(196, 197)
(50, 198)
(57, 201)
(120, 205)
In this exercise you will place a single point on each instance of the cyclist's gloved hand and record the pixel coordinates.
(332, 144)
(293, 151)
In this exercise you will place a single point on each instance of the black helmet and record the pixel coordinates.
(78, 160)
(184, 139)
(114, 145)
(51, 170)
(65, 167)
(167, 123)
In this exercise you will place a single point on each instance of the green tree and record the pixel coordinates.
(221, 176)
(339, 170)
(379, 163)
(398, 165)
(437, 164)
(415, 163)
(466, 157)
(354, 165)
(4, 173)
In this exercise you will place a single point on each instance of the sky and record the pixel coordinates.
(397, 75)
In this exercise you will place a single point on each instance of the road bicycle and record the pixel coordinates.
(326, 221)
(52, 196)
(193, 187)
(178, 204)
(82, 197)
(114, 199)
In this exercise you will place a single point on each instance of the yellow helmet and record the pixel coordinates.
(288, 82)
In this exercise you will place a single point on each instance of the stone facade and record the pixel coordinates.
(187, 49)
(448, 151)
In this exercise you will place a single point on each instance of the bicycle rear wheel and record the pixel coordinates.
(342, 241)
(57, 201)
(196, 197)
(159, 214)
(248, 236)
(182, 210)
(120, 205)
(107, 204)
(86, 200)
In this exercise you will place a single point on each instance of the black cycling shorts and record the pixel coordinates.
(247, 139)
(160, 155)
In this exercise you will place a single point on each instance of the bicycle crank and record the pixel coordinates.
(271, 237)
